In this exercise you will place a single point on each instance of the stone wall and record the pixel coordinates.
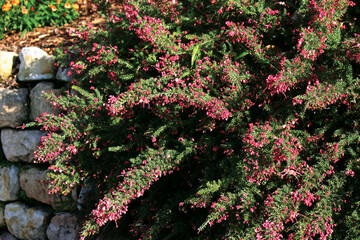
(27, 211)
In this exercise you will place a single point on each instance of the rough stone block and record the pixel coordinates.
(13, 107)
(86, 194)
(7, 236)
(62, 74)
(35, 64)
(32, 182)
(7, 62)
(39, 104)
(25, 222)
(19, 146)
(63, 226)
(9, 183)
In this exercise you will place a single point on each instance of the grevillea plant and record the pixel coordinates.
(213, 119)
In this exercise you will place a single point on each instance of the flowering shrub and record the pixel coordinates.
(213, 120)
(24, 15)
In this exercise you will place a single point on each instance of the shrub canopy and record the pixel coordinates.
(213, 120)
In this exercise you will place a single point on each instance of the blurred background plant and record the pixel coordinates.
(25, 15)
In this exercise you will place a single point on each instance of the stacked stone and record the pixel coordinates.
(46, 218)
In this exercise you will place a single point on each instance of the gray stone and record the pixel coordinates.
(7, 236)
(63, 226)
(39, 104)
(86, 194)
(9, 183)
(18, 145)
(32, 181)
(35, 64)
(62, 74)
(13, 107)
(7, 62)
(25, 222)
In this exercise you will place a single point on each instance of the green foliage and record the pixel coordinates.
(26, 199)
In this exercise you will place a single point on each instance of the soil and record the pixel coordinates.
(48, 38)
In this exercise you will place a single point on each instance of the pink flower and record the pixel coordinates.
(350, 173)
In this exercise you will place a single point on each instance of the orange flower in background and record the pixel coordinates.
(58, 1)
(24, 11)
(6, 7)
(67, 5)
(15, 2)
(53, 8)
(76, 6)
